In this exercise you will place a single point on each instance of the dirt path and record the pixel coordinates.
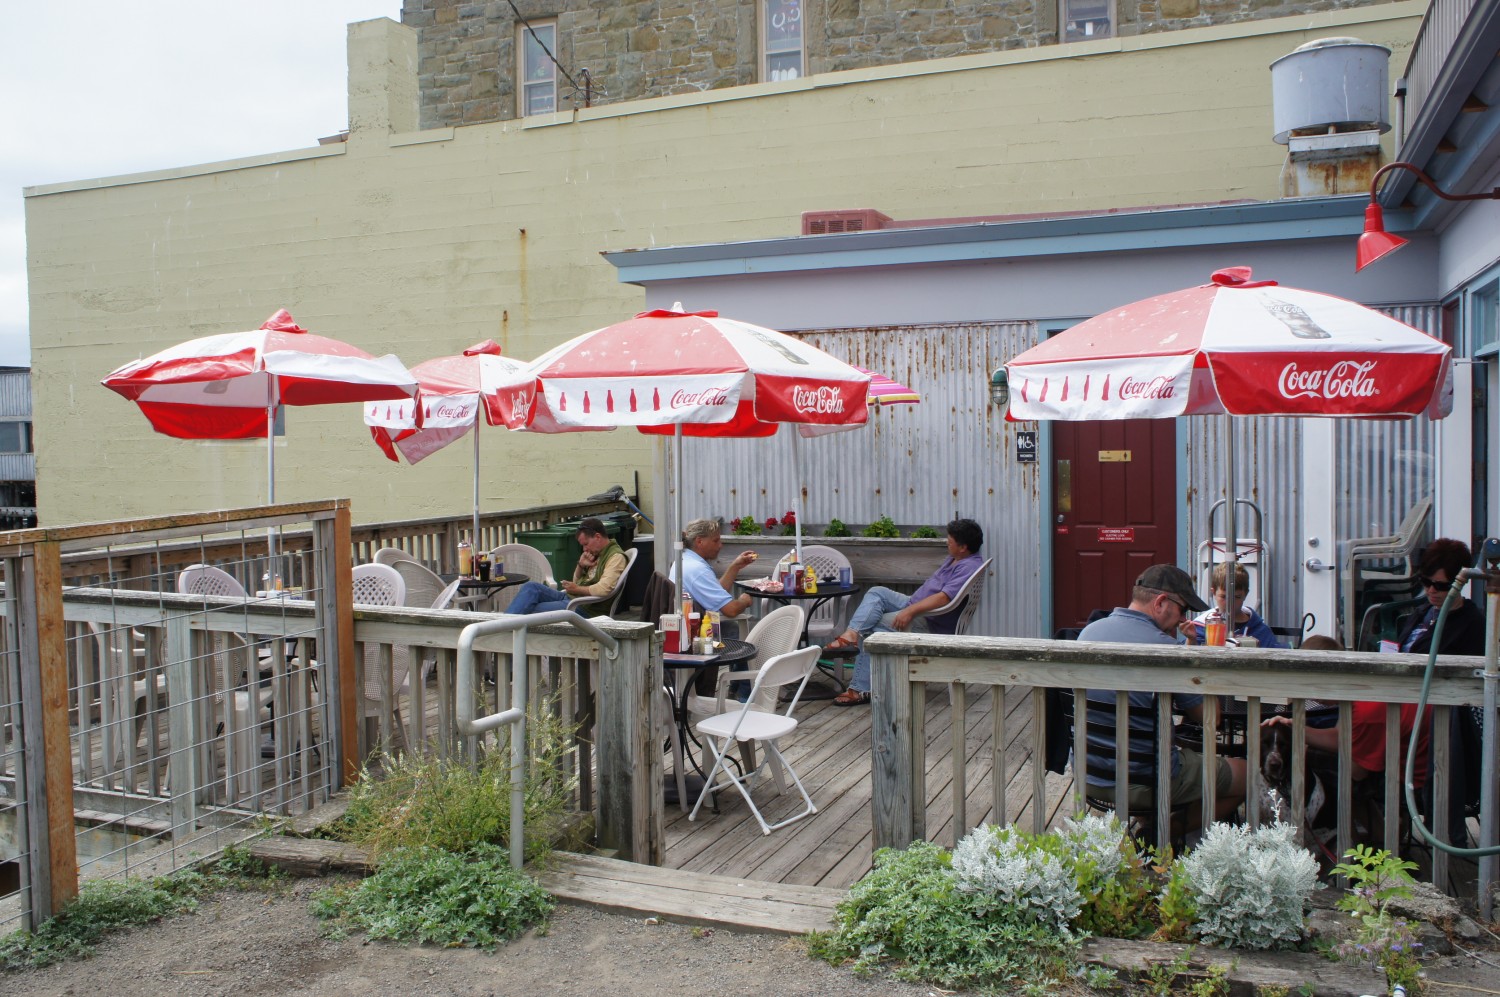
(249, 943)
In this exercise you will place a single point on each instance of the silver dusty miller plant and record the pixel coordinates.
(1095, 840)
(1013, 869)
(1250, 886)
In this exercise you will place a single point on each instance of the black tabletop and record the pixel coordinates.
(734, 650)
(494, 581)
(826, 590)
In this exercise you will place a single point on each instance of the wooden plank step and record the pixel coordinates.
(689, 898)
(122, 822)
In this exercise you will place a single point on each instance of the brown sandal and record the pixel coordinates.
(852, 697)
(840, 642)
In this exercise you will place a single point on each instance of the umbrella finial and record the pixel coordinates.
(281, 321)
(488, 348)
(1238, 277)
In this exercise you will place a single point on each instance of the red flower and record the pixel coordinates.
(734, 523)
(770, 522)
(790, 519)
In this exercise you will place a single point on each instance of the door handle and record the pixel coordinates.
(1064, 488)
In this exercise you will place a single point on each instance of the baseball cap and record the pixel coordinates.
(1171, 579)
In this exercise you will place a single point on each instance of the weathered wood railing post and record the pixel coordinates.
(898, 796)
(335, 608)
(183, 703)
(629, 758)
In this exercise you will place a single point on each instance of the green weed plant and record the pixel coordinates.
(431, 896)
(836, 528)
(925, 533)
(882, 527)
(1377, 877)
(102, 906)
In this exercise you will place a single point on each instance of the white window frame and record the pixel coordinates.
(524, 83)
(1109, 28)
(768, 49)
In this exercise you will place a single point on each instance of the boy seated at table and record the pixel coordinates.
(1248, 622)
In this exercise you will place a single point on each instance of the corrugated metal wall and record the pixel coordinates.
(953, 455)
(15, 393)
(918, 464)
(1383, 469)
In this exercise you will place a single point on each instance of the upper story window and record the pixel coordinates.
(781, 40)
(537, 73)
(15, 437)
(1484, 328)
(1082, 20)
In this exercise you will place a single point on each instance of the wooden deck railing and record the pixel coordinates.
(903, 665)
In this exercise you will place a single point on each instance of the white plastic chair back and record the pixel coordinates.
(422, 584)
(205, 579)
(444, 599)
(777, 633)
(831, 618)
(378, 585)
(966, 601)
(526, 560)
(611, 599)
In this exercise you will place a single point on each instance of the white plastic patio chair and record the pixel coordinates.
(962, 606)
(205, 579)
(524, 559)
(610, 599)
(378, 585)
(748, 724)
(423, 585)
(832, 618)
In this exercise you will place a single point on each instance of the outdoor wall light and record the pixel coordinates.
(999, 388)
(1376, 242)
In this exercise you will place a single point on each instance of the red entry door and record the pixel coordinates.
(1114, 511)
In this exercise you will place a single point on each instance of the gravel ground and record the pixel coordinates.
(248, 943)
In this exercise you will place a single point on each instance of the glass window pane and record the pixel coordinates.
(1084, 19)
(783, 25)
(1486, 314)
(787, 66)
(10, 437)
(541, 98)
(538, 66)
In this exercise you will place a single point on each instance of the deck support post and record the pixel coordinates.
(897, 795)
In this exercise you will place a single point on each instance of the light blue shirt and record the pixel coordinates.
(702, 584)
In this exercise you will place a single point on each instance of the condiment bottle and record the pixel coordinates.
(799, 578)
(465, 556)
(810, 586)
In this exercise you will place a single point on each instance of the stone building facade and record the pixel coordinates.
(617, 50)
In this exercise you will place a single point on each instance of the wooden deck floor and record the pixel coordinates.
(831, 752)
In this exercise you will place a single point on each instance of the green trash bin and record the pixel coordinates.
(559, 544)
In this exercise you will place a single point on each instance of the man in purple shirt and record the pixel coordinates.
(883, 610)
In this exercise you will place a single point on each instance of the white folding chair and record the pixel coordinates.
(750, 724)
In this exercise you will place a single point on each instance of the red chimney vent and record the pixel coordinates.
(829, 222)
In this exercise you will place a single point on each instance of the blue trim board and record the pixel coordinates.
(1107, 232)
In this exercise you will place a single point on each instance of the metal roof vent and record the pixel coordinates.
(1331, 85)
(829, 222)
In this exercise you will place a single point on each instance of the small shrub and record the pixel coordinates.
(882, 527)
(1376, 877)
(925, 533)
(909, 913)
(1250, 887)
(101, 906)
(836, 528)
(419, 800)
(745, 526)
(1175, 909)
(428, 895)
(1114, 881)
(1010, 869)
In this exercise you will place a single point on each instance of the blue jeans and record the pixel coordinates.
(874, 615)
(536, 597)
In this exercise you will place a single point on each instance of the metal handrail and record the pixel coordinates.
(471, 725)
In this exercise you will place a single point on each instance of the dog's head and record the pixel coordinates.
(1276, 754)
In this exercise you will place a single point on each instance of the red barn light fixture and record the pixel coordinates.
(1375, 241)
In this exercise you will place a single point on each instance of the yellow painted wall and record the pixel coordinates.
(423, 243)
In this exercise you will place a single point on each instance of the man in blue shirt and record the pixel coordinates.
(1159, 604)
(883, 610)
(702, 540)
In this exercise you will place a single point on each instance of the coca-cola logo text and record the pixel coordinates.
(1345, 379)
(1157, 387)
(823, 400)
(448, 410)
(708, 396)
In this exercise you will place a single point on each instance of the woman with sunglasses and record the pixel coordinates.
(1463, 630)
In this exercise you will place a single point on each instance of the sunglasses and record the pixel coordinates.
(1429, 583)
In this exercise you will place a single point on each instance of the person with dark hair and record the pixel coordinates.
(883, 610)
(1247, 622)
(599, 569)
(1463, 630)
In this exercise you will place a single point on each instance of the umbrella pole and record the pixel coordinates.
(1232, 551)
(271, 474)
(677, 515)
(797, 487)
(476, 481)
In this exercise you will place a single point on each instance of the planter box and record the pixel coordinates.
(900, 563)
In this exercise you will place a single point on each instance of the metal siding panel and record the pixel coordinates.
(919, 464)
(15, 393)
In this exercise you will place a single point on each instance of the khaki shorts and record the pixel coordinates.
(1187, 785)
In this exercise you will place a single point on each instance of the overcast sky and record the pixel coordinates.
(97, 88)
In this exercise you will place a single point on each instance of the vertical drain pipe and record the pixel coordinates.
(470, 725)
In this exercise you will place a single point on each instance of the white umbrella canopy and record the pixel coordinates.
(678, 373)
(1233, 346)
(444, 410)
(228, 387)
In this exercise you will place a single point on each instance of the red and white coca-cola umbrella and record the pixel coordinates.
(228, 387)
(1237, 346)
(683, 373)
(445, 409)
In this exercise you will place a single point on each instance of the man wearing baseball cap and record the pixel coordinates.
(1160, 601)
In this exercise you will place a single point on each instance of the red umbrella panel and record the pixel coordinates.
(1239, 346)
(228, 387)
(444, 410)
(679, 373)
